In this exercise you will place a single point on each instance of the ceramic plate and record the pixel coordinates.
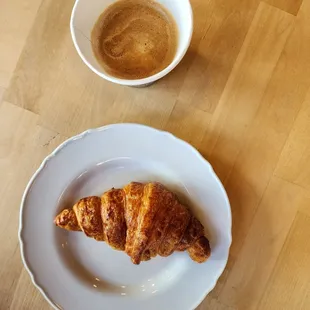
(76, 272)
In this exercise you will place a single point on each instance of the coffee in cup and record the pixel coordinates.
(134, 39)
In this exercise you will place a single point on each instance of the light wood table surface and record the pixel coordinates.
(241, 96)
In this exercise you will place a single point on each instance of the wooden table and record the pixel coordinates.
(241, 96)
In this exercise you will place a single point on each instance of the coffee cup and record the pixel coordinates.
(85, 15)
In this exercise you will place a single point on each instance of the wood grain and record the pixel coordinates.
(16, 18)
(268, 131)
(241, 95)
(247, 281)
(288, 285)
(22, 148)
(289, 6)
(1, 92)
(246, 86)
(293, 164)
(226, 24)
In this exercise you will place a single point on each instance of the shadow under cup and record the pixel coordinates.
(84, 17)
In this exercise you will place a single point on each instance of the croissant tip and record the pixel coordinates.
(135, 261)
(55, 221)
(200, 251)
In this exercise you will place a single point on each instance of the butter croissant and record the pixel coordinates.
(144, 220)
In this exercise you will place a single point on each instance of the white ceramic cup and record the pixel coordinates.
(84, 15)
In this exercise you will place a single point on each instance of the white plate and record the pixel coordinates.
(76, 272)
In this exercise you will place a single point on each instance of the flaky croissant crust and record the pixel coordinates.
(144, 220)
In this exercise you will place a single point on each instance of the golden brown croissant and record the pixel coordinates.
(144, 220)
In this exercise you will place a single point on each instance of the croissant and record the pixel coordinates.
(144, 220)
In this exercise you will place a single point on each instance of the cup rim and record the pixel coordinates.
(136, 82)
